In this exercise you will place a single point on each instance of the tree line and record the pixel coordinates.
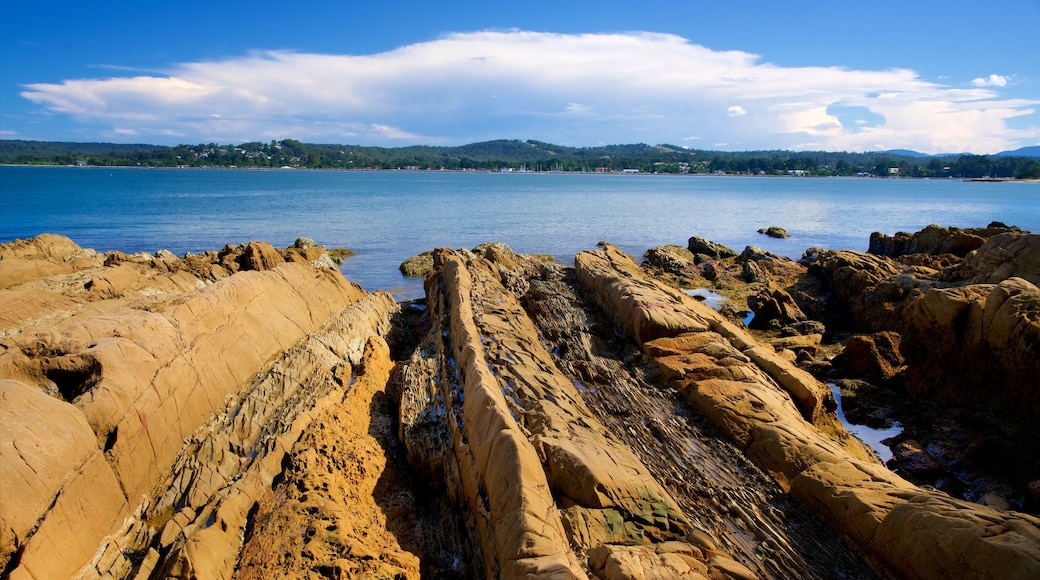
(516, 155)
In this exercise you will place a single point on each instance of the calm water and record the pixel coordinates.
(387, 217)
(869, 435)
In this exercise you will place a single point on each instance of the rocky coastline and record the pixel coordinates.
(250, 413)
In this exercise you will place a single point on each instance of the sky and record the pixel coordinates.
(935, 77)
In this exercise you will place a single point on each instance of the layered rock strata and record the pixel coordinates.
(237, 414)
(776, 420)
(486, 410)
(141, 400)
(344, 490)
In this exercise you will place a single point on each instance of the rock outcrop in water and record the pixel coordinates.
(239, 414)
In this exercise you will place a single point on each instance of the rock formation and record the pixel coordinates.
(934, 240)
(942, 325)
(784, 430)
(239, 414)
(969, 331)
(774, 232)
(156, 395)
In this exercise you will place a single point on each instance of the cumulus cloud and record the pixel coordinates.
(574, 89)
(991, 81)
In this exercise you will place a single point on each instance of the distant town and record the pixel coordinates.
(516, 156)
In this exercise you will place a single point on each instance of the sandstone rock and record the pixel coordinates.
(228, 465)
(753, 273)
(961, 339)
(647, 310)
(619, 384)
(341, 489)
(514, 524)
(670, 560)
(914, 460)
(803, 345)
(309, 253)
(304, 244)
(774, 232)
(953, 349)
(139, 380)
(873, 357)
(956, 538)
(854, 494)
(670, 258)
(608, 494)
(853, 277)
(340, 255)
(57, 493)
(15, 271)
(260, 256)
(931, 240)
(803, 328)
(219, 429)
(710, 271)
(774, 309)
(698, 245)
(50, 247)
(762, 266)
(418, 266)
(1003, 256)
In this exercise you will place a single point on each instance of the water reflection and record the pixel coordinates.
(716, 301)
(868, 435)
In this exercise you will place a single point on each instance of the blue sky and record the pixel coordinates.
(931, 76)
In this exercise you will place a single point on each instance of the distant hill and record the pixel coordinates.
(907, 153)
(918, 154)
(1032, 152)
(53, 148)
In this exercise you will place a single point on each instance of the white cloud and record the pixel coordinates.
(570, 89)
(991, 81)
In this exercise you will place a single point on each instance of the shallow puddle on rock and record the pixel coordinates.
(716, 301)
(869, 435)
(713, 299)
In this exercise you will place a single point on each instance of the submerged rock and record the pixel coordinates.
(774, 232)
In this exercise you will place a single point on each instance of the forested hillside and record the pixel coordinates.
(518, 155)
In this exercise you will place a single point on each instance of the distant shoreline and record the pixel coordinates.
(515, 156)
(492, 172)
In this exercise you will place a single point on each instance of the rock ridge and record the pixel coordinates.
(130, 374)
(239, 414)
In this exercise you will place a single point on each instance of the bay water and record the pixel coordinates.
(389, 216)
